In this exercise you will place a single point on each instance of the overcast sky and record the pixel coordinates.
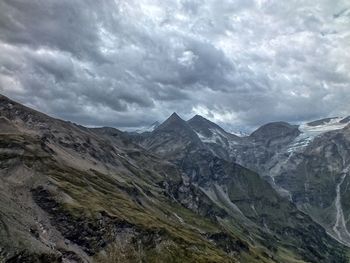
(128, 63)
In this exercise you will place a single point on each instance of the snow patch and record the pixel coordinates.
(240, 133)
(309, 133)
(216, 137)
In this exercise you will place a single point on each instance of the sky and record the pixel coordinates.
(128, 63)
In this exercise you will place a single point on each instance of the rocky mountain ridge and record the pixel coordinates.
(73, 194)
(291, 157)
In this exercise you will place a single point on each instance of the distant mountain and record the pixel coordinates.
(243, 196)
(314, 169)
(210, 132)
(276, 131)
(307, 163)
(74, 194)
(174, 136)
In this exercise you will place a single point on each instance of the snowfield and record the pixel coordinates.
(310, 132)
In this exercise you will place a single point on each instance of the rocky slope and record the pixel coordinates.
(307, 163)
(72, 194)
(310, 166)
(245, 197)
(316, 176)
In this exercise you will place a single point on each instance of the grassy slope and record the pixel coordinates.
(84, 194)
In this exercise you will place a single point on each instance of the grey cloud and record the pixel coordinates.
(128, 63)
(64, 25)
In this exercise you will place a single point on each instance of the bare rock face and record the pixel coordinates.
(307, 164)
(241, 194)
(6, 126)
(316, 179)
(311, 169)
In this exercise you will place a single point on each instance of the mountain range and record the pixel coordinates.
(181, 191)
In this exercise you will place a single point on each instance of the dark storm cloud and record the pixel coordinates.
(63, 25)
(128, 63)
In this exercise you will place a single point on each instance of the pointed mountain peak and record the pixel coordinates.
(198, 119)
(173, 122)
(207, 128)
(174, 116)
(199, 122)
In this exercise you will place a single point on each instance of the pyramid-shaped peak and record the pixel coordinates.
(199, 118)
(207, 127)
(174, 116)
(173, 122)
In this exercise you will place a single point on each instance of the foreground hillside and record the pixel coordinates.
(72, 194)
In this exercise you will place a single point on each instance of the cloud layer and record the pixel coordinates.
(128, 63)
